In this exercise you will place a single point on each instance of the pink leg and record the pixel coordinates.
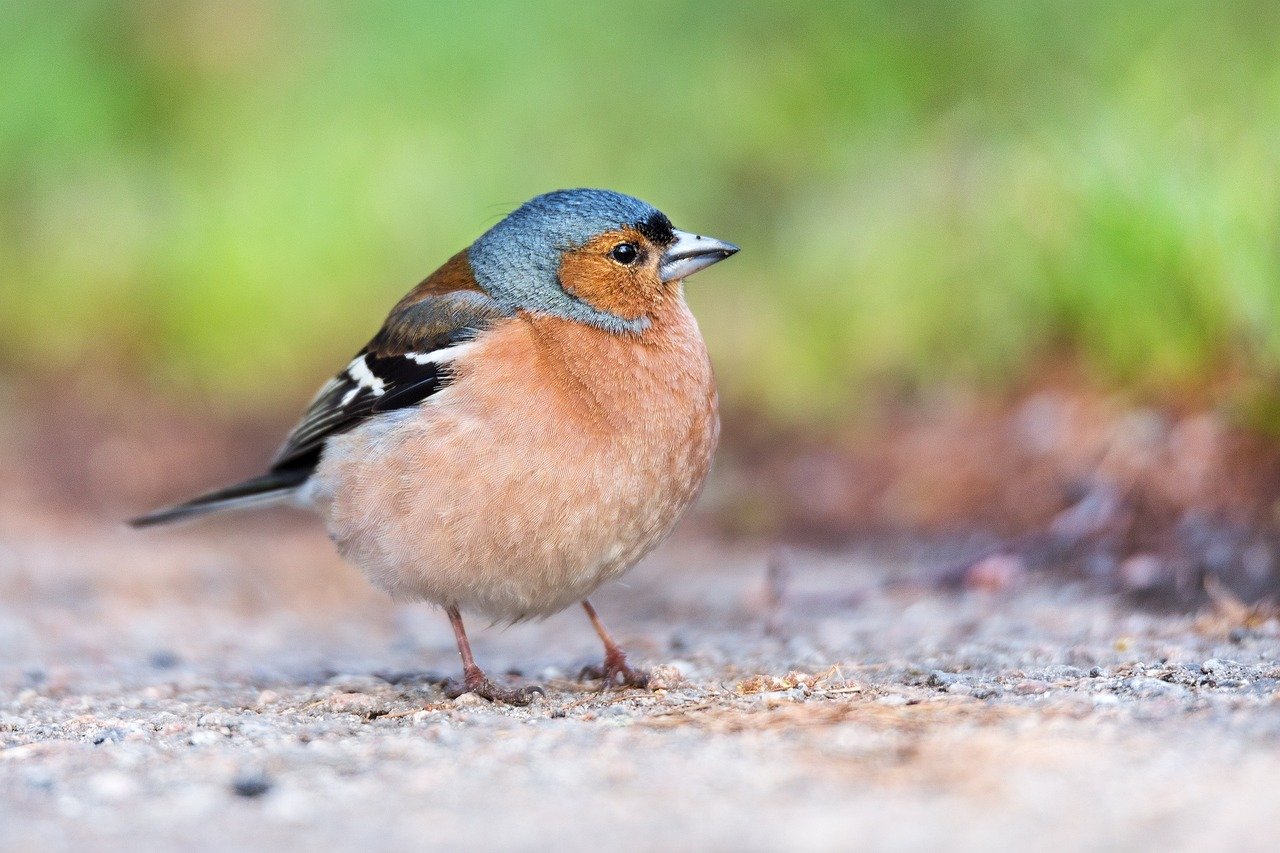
(473, 678)
(615, 669)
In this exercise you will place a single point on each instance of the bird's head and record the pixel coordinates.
(593, 256)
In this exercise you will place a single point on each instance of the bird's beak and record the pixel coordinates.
(690, 253)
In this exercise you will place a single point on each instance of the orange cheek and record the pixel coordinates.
(589, 274)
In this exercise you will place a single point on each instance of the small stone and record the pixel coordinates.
(893, 700)
(1214, 666)
(960, 689)
(112, 735)
(666, 677)
(1030, 687)
(471, 700)
(204, 737)
(250, 785)
(940, 678)
(218, 720)
(354, 703)
(1146, 688)
(1062, 672)
(164, 659)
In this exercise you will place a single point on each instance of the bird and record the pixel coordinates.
(531, 420)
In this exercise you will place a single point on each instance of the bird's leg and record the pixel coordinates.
(615, 669)
(473, 678)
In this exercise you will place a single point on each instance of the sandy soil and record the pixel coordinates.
(236, 686)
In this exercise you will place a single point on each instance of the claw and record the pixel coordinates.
(486, 689)
(615, 673)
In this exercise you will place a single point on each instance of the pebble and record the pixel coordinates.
(250, 784)
(940, 678)
(354, 703)
(204, 737)
(1149, 687)
(471, 700)
(164, 659)
(893, 700)
(1031, 687)
(218, 720)
(666, 677)
(1063, 672)
(112, 735)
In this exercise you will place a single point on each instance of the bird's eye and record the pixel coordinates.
(625, 253)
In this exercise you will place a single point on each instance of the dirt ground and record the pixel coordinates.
(236, 686)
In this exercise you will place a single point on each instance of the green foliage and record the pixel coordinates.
(227, 196)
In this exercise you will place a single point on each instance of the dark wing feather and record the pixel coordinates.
(394, 371)
(403, 365)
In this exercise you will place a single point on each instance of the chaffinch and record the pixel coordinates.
(532, 419)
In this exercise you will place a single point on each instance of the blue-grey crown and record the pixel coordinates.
(517, 261)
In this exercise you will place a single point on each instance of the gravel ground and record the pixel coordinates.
(236, 686)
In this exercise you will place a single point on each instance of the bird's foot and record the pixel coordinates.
(616, 673)
(478, 683)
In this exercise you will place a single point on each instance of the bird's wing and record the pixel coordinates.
(406, 362)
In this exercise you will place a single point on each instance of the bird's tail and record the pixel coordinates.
(258, 491)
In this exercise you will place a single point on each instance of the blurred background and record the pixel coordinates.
(1011, 271)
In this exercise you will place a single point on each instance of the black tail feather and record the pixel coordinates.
(269, 487)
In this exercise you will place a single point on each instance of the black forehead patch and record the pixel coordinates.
(657, 229)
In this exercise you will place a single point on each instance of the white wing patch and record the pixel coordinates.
(440, 356)
(360, 373)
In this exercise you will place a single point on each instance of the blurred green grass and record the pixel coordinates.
(224, 198)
